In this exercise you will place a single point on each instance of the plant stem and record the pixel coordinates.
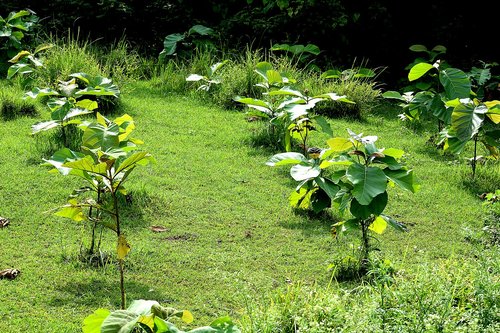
(475, 156)
(92, 242)
(120, 261)
(122, 288)
(365, 245)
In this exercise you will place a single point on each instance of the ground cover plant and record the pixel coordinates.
(213, 232)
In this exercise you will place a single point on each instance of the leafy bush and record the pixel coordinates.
(69, 55)
(14, 30)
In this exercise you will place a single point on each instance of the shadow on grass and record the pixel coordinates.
(95, 291)
(312, 224)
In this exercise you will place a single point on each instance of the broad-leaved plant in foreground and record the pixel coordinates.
(147, 316)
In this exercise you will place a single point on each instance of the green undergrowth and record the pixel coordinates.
(231, 245)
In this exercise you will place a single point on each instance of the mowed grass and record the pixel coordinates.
(231, 236)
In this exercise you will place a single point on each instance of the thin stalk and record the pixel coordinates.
(365, 245)
(92, 241)
(120, 261)
(474, 161)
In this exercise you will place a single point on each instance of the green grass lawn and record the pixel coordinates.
(231, 237)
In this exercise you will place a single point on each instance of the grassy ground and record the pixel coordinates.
(231, 238)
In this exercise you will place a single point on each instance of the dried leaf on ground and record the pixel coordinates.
(158, 228)
(4, 222)
(10, 273)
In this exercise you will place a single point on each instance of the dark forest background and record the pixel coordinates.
(377, 33)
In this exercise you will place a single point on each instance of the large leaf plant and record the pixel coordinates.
(74, 98)
(108, 156)
(353, 177)
(287, 109)
(147, 316)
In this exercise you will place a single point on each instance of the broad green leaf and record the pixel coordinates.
(364, 73)
(418, 48)
(330, 188)
(255, 103)
(320, 201)
(14, 15)
(68, 88)
(170, 43)
(339, 144)
(262, 67)
(286, 91)
(76, 112)
(109, 90)
(346, 226)
(296, 197)
(396, 153)
(378, 225)
(375, 207)
(201, 30)
(403, 178)
(439, 109)
(455, 82)
(368, 182)
(301, 172)
(196, 77)
(393, 223)
(493, 111)
(331, 74)
(324, 124)
(419, 70)
(286, 158)
(87, 104)
(338, 160)
(87, 164)
(439, 48)
(147, 320)
(120, 321)
(141, 306)
(20, 68)
(99, 136)
(393, 95)
(43, 47)
(71, 211)
(62, 156)
(391, 162)
(19, 56)
(273, 77)
(37, 92)
(44, 126)
(122, 247)
(454, 145)
(138, 158)
(93, 322)
(335, 97)
(215, 67)
(466, 120)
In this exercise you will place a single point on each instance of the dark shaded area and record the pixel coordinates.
(375, 33)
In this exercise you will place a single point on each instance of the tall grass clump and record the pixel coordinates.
(170, 75)
(122, 63)
(364, 91)
(12, 105)
(448, 297)
(69, 55)
(238, 78)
